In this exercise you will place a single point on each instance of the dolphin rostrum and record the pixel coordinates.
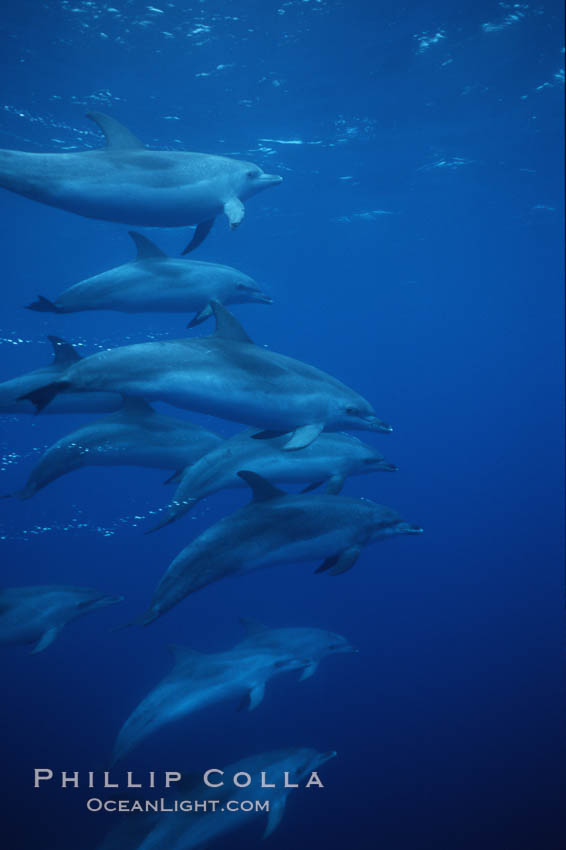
(134, 436)
(37, 614)
(64, 355)
(275, 528)
(198, 680)
(223, 375)
(156, 283)
(272, 777)
(128, 183)
(330, 459)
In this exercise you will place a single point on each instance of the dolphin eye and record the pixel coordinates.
(352, 411)
(253, 174)
(243, 287)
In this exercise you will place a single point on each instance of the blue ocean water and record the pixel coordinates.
(414, 251)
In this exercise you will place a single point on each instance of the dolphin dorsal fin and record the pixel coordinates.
(117, 136)
(133, 404)
(227, 326)
(262, 490)
(183, 654)
(252, 627)
(145, 247)
(63, 352)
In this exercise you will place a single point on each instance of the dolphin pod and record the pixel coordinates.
(134, 436)
(294, 413)
(36, 615)
(276, 528)
(64, 355)
(156, 283)
(125, 182)
(329, 460)
(224, 375)
(198, 680)
(200, 827)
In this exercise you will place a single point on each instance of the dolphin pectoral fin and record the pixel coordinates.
(276, 812)
(201, 316)
(268, 435)
(261, 488)
(235, 211)
(257, 693)
(335, 484)
(45, 640)
(345, 561)
(173, 479)
(200, 234)
(309, 670)
(63, 352)
(303, 437)
(146, 249)
(117, 136)
(341, 562)
(312, 486)
(43, 395)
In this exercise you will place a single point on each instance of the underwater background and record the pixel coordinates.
(413, 251)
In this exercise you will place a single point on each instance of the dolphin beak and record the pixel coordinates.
(262, 298)
(389, 467)
(324, 757)
(409, 528)
(111, 600)
(377, 425)
(271, 179)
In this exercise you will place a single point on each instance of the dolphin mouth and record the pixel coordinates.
(111, 600)
(409, 528)
(271, 179)
(324, 757)
(374, 424)
(389, 467)
(262, 298)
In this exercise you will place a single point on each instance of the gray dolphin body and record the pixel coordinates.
(64, 355)
(276, 528)
(224, 375)
(198, 680)
(331, 458)
(128, 183)
(37, 614)
(199, 829)
(156, 283)
(134, 436)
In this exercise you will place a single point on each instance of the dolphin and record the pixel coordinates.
(134, 436)
(198, 829)
(128, 183)
(156, 283)
(198, 680)
(64, 355)
(223, 375)
(331, 458)
(37, 614)
(276, 528)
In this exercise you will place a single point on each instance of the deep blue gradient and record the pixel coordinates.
(414, 251)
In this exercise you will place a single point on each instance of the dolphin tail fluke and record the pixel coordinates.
(43, 395)
(199, 236)
(43, 305)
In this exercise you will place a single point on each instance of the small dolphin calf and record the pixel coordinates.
(64, 355)
(223, 375)
(198, 680)
(276, 528)
(37, 614)
(134, 436)
(128, 183)
(156, 283)
(200, 827)
(331, 458)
